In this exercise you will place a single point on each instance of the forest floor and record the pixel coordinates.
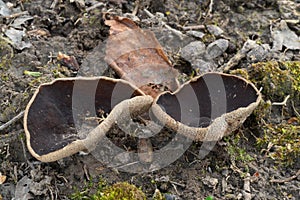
(258, 161)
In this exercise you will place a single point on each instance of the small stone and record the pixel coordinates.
(193, 50)
(171, 197)
(164, 187)
(4, 9)
(248, 45)
(217, 48)
(196, 34)
(210, 182)
(214, 30)
(203, 66)
(259, 53)
(225, 172)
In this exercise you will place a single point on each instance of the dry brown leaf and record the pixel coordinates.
(137, 56)
(68, 61)
(2, 178)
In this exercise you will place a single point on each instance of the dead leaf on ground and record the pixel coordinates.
(284, 36)
(68, 61)
(2, 178)
(16, 37)
(137, 56)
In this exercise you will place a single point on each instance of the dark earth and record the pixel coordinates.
(249, 164)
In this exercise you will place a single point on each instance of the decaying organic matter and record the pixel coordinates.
(137, 56)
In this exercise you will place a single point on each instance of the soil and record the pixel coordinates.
(237, 168)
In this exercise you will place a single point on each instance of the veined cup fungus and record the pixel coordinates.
(61, 118)
(208, 107)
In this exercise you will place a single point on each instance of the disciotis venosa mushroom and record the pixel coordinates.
(204, 109)
(55, 119)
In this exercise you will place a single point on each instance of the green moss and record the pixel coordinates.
(6, 54)
(122, 191)
(208, 38)
(240, 72)
(235, 151)
(281, 142)
(158, 195)
(91, 190)
(99, 191)
(33, 74)
(93, 19)
(277, 79)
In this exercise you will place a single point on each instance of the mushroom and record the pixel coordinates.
(208, 107)
(60, 119)
(73, 114)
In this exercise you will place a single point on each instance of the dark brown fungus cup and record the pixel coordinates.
(60, 119)
(208, 107)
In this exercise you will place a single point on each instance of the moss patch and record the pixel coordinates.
(122, 191)
(235, 151)
(277, 79)
(118, 191)
(6, 54)
(280, 141)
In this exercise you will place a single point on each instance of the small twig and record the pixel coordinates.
(286, 179)
(176, 32)
(281, 103)
(176, 183)
(235, 60)
(196, 27)
(86, 173)
(7, 152)
(116, 167)
(296, 112)
(94, 6)
(13, 120)
(62, 177)
(16, 15)
(232, 62)
(247, 189)
(51, 192)
(136, 8)
(25, 156)
(210, 9)
(175, 188)
(54, 3)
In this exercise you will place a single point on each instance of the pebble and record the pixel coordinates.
(217, 48)
(214, 30)
(225, 172)
(196, 34)
(193, 50)
(210, 182)
(171, 197)
(258, 53)
(203, 65)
